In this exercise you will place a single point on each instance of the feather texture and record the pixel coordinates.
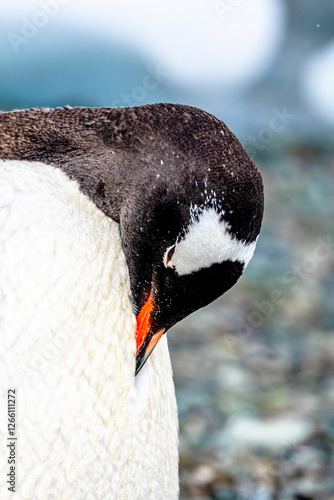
(87, 429)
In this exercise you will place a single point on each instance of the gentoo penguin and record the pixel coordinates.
(116, 223)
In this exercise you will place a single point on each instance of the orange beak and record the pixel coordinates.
(146, 339)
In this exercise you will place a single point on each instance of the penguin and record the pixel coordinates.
(115, 223)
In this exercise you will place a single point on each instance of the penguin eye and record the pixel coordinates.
(169, 254)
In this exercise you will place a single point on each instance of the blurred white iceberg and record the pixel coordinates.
(225, 42)
(318, 81)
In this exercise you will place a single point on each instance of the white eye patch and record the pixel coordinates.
(207, 242)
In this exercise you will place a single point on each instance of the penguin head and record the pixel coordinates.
(190, 229)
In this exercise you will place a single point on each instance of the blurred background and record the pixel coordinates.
(254, 372)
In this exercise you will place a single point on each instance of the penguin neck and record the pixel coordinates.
(69, 347)
(88, 144)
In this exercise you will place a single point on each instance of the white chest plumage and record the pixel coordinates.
(86, 428)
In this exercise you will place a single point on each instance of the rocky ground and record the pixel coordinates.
(254, 371)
